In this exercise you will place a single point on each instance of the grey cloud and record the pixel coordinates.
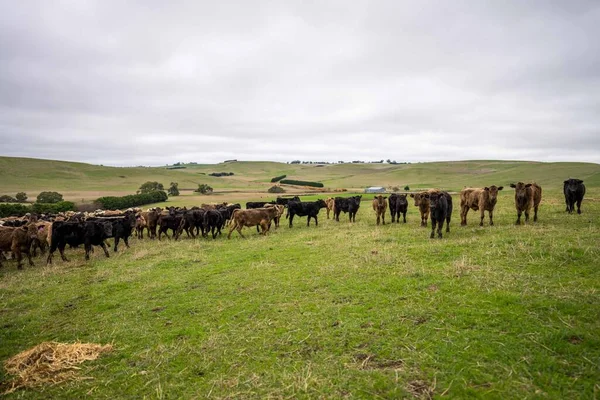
(153, 82)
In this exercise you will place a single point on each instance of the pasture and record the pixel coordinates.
(335, 311)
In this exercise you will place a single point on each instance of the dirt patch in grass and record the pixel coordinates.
(420, 389)
(368, 361)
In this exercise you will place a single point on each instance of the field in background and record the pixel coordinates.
(335, 311)
(84, 182)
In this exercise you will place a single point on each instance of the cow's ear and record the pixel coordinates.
(487, 189)
(528, 185)
(567, 181)
(501, 187)
(384, 197)
(512, 185)
(579, 181)
(412, 195)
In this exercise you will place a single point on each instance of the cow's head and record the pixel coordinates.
(520, 191)
(31, 231)
(106, 227)
(434, 198)
(571, 185)
(321, 203)
(493, 191)
(380, 199)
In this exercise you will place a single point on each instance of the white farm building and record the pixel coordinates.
(375, 189)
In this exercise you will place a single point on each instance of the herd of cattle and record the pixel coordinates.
(28, 234)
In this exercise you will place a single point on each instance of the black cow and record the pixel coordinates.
(440, 210)
(88, 233)
(171, 221)
(190, 220)
(285, 200)
(257, 204)
(308, 208)
(348, 205)
(574, 190)
(213, 221)
(227, 212)
(398, 205)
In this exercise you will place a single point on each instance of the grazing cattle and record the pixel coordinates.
(18, 240)
(398, 205)
(169, 221)
(280, 209)
(527, 196)
(123, 227)
(574, 190)
(348, 205)
(482, 199)
(140, 225)
(192, 220)
(44, 233)
(309, 209)
(257, 204)
(380, 206)
(213, 221)
(151, 216)
(440, 210)
(283, 201)
(227, 211)
(213, 206)
(422, 203)
(89, 233)
(252, 217)
(330, 202)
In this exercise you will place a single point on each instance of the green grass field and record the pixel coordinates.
(335, 311)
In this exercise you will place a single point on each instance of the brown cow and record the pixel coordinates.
(252, 217)
(380, 206)
(280, 210)
(330, 202)
(213, 206)
(18, 240)
(423, 203)
(44, 234)
(151, 217)
(140, 225)
(482, 199)
(526, 196)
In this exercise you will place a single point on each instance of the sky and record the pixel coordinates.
(157, 82)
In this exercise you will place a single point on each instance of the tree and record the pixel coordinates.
(276, 189)
(21, 197)
(204, 189)
(406, 187)
(49, 197)
(151, 187)
(173, 189)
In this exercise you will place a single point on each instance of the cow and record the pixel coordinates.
(285, 200)
(252, 217)
(347, 205)
(192, 220)
(398, 205)
(226, 212)
(123, 228)
(257, 204)
(18, 240)
(309, 209)
(140, 225)
(330, 202)
(422, 203)
(440, 210)
(482, 199)
(526, 196)
(172, 221)
(213, 206)
(213, 221)
(380, 206)
(44, 233)
(89, 233)
(574, 190)
(151, 216)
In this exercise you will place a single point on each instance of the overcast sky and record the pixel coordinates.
(156, 82)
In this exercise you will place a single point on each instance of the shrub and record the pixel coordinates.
(221, 174)
(406, 187)
(276, 189)
(395, 189)
(7, 199)
(173, 189)
(21, 197)
(204, 189)
(302, 183)
(49, 197)
(278, 178)
(132, 200)
(148, 187)
(18, 210)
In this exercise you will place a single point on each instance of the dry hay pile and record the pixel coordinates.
(50, 363)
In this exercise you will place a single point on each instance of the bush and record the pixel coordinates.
(49, 197)
(276, 189)
(278, 178)
(18, 210)
(21, 197)
(406, 187)
(151, 187)
(221, 174)
(395, 189)
(132, 200)
(302, 183)
(173, 189)
(7, 199)
(204, 189)
(13, 210)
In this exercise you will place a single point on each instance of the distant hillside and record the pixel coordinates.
(79, 180)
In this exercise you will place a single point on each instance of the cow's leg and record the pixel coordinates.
(308, 220)
(316, 220)
(404, 217)
(231, 229)
(383, 218)
(448, 224)
(518, 222)
(291, 219)
(126, 240)
(88, 248)
(535, 210)
(491, 212)
(526, 216)
(432, 229)
(117, 238)
(463, 215)
(482, 216)
(105, 248)
(377, 217)
(440, 225)
(16, 250)
(328, 213)
(579, 206)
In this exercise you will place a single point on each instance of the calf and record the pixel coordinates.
(440, 209)
(280, 209)
(252, 217)
(140, 225)
(169, 221)
(482, 199)
(213, 220)
(398, 205)
(44, 233)
(574, 190)
(422, 202)
(380, 206)
(151, 216)
(285, 200)
(307, 208)
(257, 204)
(527, 196)
(330, 202)
(348, 205)
(88, 233)
(18, 240)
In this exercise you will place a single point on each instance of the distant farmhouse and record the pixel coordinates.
(375, 189)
